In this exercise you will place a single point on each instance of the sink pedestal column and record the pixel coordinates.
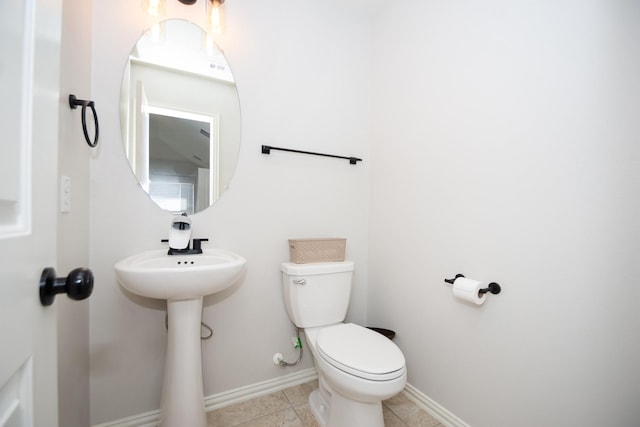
(182, 390)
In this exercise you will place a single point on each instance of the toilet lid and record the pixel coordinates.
(360, 352)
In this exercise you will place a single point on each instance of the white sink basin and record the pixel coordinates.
(154, 274)
(183, 280)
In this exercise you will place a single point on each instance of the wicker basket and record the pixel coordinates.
(304, 251)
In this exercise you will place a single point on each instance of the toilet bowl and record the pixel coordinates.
(357, 370)
(357, 367)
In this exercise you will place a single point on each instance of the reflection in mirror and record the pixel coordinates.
(180, 117)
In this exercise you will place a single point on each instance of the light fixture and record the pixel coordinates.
(154, 8)
(215, 16)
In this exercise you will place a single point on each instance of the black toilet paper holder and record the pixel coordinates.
(492, 287)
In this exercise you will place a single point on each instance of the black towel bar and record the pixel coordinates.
(266, 149)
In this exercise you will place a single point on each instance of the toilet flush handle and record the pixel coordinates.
(300, 282)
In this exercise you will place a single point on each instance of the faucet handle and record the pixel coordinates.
(197, 244)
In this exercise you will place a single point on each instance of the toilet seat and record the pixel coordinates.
(360, 352)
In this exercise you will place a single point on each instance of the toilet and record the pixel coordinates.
(357, 368)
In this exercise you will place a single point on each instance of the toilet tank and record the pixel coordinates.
(317, 294)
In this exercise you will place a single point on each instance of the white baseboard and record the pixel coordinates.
(433, 408)
(242, 394)
(252, 391)
(147, 419)
(220, 400)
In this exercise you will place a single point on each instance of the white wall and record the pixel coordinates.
(303, 84)
(506, 148)
(73, 227)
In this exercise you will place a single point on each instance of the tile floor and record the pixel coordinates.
(290, 408)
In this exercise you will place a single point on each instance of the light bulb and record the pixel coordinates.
(209, 45)
(154, 8)
(215, 16)
(156, 33)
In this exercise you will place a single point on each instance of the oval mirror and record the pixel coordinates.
(180, 117)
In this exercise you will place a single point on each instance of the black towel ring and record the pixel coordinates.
(73, 103)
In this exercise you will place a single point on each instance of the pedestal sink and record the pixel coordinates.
(183, 280)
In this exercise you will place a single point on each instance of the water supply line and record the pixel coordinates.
(202, 324)
(278, 358)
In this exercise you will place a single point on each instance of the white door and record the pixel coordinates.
(29, 102)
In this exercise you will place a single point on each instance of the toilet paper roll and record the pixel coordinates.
(467, 290)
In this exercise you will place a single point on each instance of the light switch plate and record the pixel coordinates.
(65, 194)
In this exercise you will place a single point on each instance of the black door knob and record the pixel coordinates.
(78, 285)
